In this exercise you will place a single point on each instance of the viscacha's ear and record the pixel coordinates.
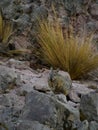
(51, 74)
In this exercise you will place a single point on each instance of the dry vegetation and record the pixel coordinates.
(5, 30)
(68, 53)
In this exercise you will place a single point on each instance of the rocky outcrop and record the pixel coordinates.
(7, 78)
(44, 109)
(31, 104)
(90, 101)
(26, 100)
(82, 13)
(32, 125)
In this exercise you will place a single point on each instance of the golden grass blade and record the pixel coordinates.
(68, 53)
(7, 31)
(1, 25)
(20, 51)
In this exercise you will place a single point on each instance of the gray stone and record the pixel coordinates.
(9, 9)
(10, 109)
(74, 96)
(83, 126)
(4, 101)
(78, 125)
(93, 125)
(73, 112)
(7, 77)
(62, 98)
(24, 89)
(39, 12)
(23, 21)
(5, 3)
(27, 8)
(91, 26)
(7, 115)
(27, 1)
(94, 10)
(31, 125)
(12, 63)
(89, 106)
(46, 109)
(80, 88)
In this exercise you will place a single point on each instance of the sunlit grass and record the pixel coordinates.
(5, 30)
(68, 53)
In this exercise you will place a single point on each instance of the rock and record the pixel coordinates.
(78, 125)
(10, 109)
(74, 114)
(31, 125)
(17, 64)
(17, 102)
(3, 127)
(94, 11)
(4, 101)
(27, 8)
(5, 3)
(8, 78)
(73, 8)
(8, 116)
(83, 126)
(9, 9)
(93, 125)
(30, 106)
(26, 1)
(92, 26)
(80, 88)
(74, 97)
(49, 111)
(24, 12)
(24, 89)
(74, 105)
(23, 21)
(38, 13)
(89, 106)
(42, 89)
(44, 109)
(62, 98)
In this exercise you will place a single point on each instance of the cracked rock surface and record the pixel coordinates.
(29, 103)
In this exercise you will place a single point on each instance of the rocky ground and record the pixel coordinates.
(27, 102)
(83, 14)
(26, 99)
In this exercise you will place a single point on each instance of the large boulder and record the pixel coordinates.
(93, 125)
(13, 9)
(31, 125)
(47, 110)
(94, 11)
(89, 106)
(83, 126)
(31, 104)
(8, 78)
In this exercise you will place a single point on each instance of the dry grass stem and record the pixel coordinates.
(68, 53)
(5, 30)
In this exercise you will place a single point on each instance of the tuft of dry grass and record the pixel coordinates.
(76, 56)
(5, 30)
